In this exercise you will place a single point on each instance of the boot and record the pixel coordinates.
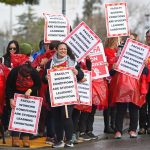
(15, 142)
(26, 141)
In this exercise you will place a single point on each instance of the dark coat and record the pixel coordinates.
(11, 83)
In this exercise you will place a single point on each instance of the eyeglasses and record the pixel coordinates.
(12, 48)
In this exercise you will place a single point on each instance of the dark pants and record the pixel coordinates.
(75, 119)
(144, 113)
(109, 117)
(86, 120)
(6, 117)
(50, 125)
(18, 134)
(42, 121)
(121, 109)
(62, 123)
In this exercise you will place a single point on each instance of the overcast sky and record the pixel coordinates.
(49, 6)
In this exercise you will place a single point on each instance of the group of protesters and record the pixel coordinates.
(127, 92)
(26, 74)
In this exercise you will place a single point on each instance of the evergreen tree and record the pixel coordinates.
(88, 8)
(76, 21)
(32, 2)
(19, 2)
(96, 21)
(30, 28)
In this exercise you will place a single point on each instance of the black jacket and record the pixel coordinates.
(11, 83)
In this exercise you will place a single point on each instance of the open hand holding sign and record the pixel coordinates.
(75, 71)
(28, 93)
(12, 103)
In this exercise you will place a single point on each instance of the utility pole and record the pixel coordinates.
(10, 23)
(147, 16)
(64, 7)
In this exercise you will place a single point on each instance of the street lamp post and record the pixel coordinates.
(64, 7)
(147, 17)
(147, 21)
(10, 24)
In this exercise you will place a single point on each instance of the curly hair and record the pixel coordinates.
(69, 51)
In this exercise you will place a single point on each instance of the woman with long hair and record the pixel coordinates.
(12, 47)
(110, 48)
(63, 58)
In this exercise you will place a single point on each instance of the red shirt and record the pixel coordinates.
(111, 56)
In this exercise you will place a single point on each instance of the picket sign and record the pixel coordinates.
(98, 59)
(25, 116)
(81, 41)
(132, 58)
(62, 87)
(116, 19)
(56, 27)
(85, 89)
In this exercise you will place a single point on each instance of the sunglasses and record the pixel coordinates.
(12, 48)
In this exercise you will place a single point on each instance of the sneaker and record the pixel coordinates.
(59, 144)
(108, 130)
(133, 134)
(78, 141)
(142, 131)
(148, 130)
(69, 144)
(84, 137)
(118, 135)
(92, 136)
(75, 139)
(50, 141)
(7, 133)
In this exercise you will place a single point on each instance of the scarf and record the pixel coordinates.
(57, 62)
(23, 83)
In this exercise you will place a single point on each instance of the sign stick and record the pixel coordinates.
(66, 111)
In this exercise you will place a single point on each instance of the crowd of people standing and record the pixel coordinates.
(116, 93)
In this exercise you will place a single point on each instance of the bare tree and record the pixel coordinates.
(137, 18)
(94, 18)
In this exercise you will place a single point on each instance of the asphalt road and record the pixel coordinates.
(106, 141)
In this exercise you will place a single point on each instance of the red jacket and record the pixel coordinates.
(4, 71)
(124, 89)
(111, 56)
(99, 93)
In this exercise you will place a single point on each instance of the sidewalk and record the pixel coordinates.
(39, 143)
(98, 127)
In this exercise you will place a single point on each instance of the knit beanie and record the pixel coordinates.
(25, 48)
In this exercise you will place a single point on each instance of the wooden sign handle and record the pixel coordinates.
(66, 111)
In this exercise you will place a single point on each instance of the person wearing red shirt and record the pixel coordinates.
(110, 48)
(144, 112)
